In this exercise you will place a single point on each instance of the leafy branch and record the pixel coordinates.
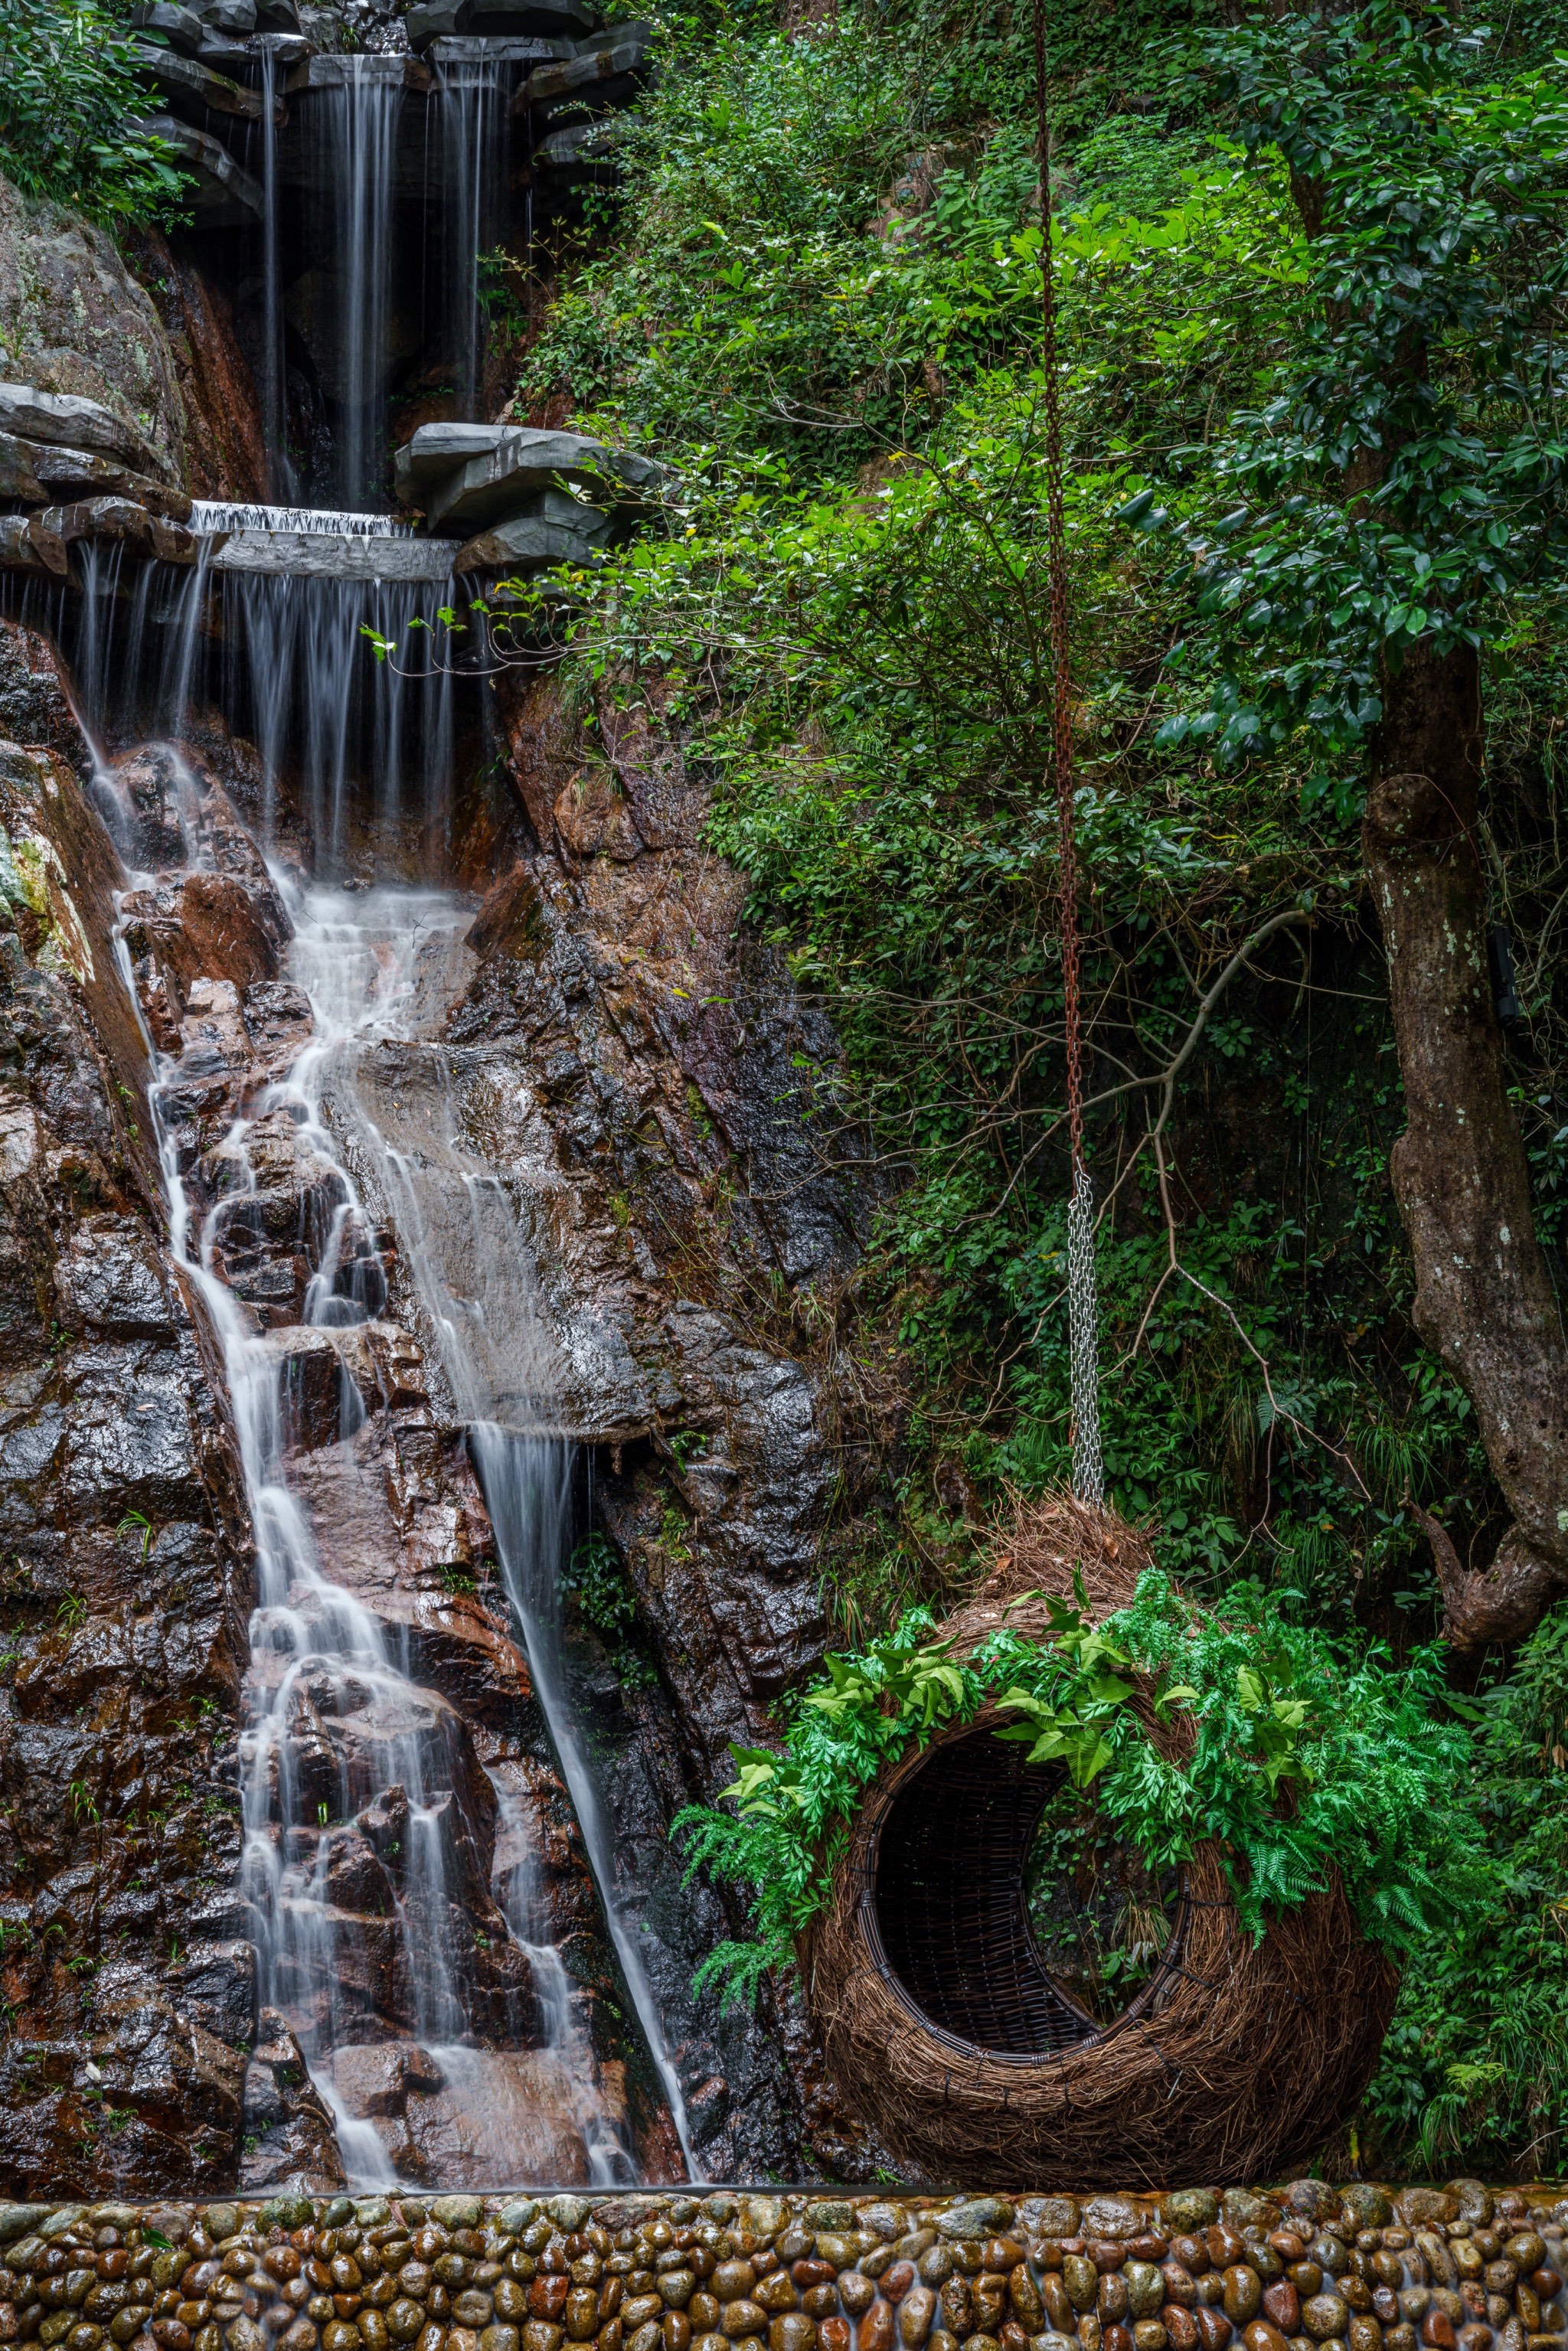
(1299, 1757)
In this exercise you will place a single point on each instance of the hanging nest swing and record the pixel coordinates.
(949, 1980)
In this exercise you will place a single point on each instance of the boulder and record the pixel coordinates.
(224, 194)
(60, 420)
(18, 478)
(233, 17)
(179, 27)
(587, 106)
(219, 192)
(25, 545)
(557, 530)
(607, 36)
(192, 88)
(579, 76)
(431, 20)
(437, 451)
(121, 519)
(39, 473)
(524, 49)
(523, 463)
(75, 323)
(586, 147)
(289, 2141)
(571, 17)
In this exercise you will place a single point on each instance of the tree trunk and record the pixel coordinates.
(1484, 1300)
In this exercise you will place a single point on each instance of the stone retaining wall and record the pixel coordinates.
(1302, 2268)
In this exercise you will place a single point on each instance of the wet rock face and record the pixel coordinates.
(1190, 2272)
(393, 1875)
(124, 1580)
(658, 1100)
(654, 1076)
(226, 455)
(76, 322)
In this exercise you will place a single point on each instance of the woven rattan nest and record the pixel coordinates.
(942, 2024)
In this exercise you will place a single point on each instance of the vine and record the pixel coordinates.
(1299, 1757)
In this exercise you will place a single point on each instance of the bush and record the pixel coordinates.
(1309, 1755)
(68, 88)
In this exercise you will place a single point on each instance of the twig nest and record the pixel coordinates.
(929, 1975)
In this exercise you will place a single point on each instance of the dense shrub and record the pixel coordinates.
(68, 93)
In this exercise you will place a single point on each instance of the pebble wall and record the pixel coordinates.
(1301, 2268)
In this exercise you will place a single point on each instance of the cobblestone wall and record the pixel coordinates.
(1302, 2268)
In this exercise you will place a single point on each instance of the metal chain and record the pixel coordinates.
(1083, 1306)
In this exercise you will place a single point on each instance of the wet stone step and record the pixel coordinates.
(192, 87)
(320, 554)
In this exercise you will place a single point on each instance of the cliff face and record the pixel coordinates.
(76, 321)
(636, 1078)
(636, 1072)
(662, 1099)
(122, 1580)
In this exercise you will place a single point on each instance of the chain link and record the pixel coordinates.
(1083, 1335)
(1083, 1321)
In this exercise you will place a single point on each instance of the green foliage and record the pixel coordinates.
(68, 89)
(822, 309)
(1407, 472)
(846, 614)
(1307, 1754)
(1477, 2061)
(596, 1580)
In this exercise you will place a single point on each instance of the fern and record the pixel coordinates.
(1307, 1757)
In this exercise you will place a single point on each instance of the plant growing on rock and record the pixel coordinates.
(1302, 1755)
(70, 97)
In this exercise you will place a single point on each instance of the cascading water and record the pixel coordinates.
(342, 1747)
(317, 700)
(357, 122)
(287, 657)
(272, 385)
(464, 1250)
(472, 111)
(392, 1872)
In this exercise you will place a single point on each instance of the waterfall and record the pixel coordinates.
(391, 1867)
(288, 659)
(472, 98)
(273, 387)
(319, 701)
(320, 1660)
(363, 114)
(465, 1251)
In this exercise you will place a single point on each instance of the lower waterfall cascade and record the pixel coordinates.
(369, 969)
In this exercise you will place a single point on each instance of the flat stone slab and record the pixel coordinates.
(378, 70)
(518, 463)
(557, 531)
(348, 555)
(65, 421)
(581, 73)
(188, 82)
(181, 27)
(586, 146)
(474, 49)
(225, 196)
